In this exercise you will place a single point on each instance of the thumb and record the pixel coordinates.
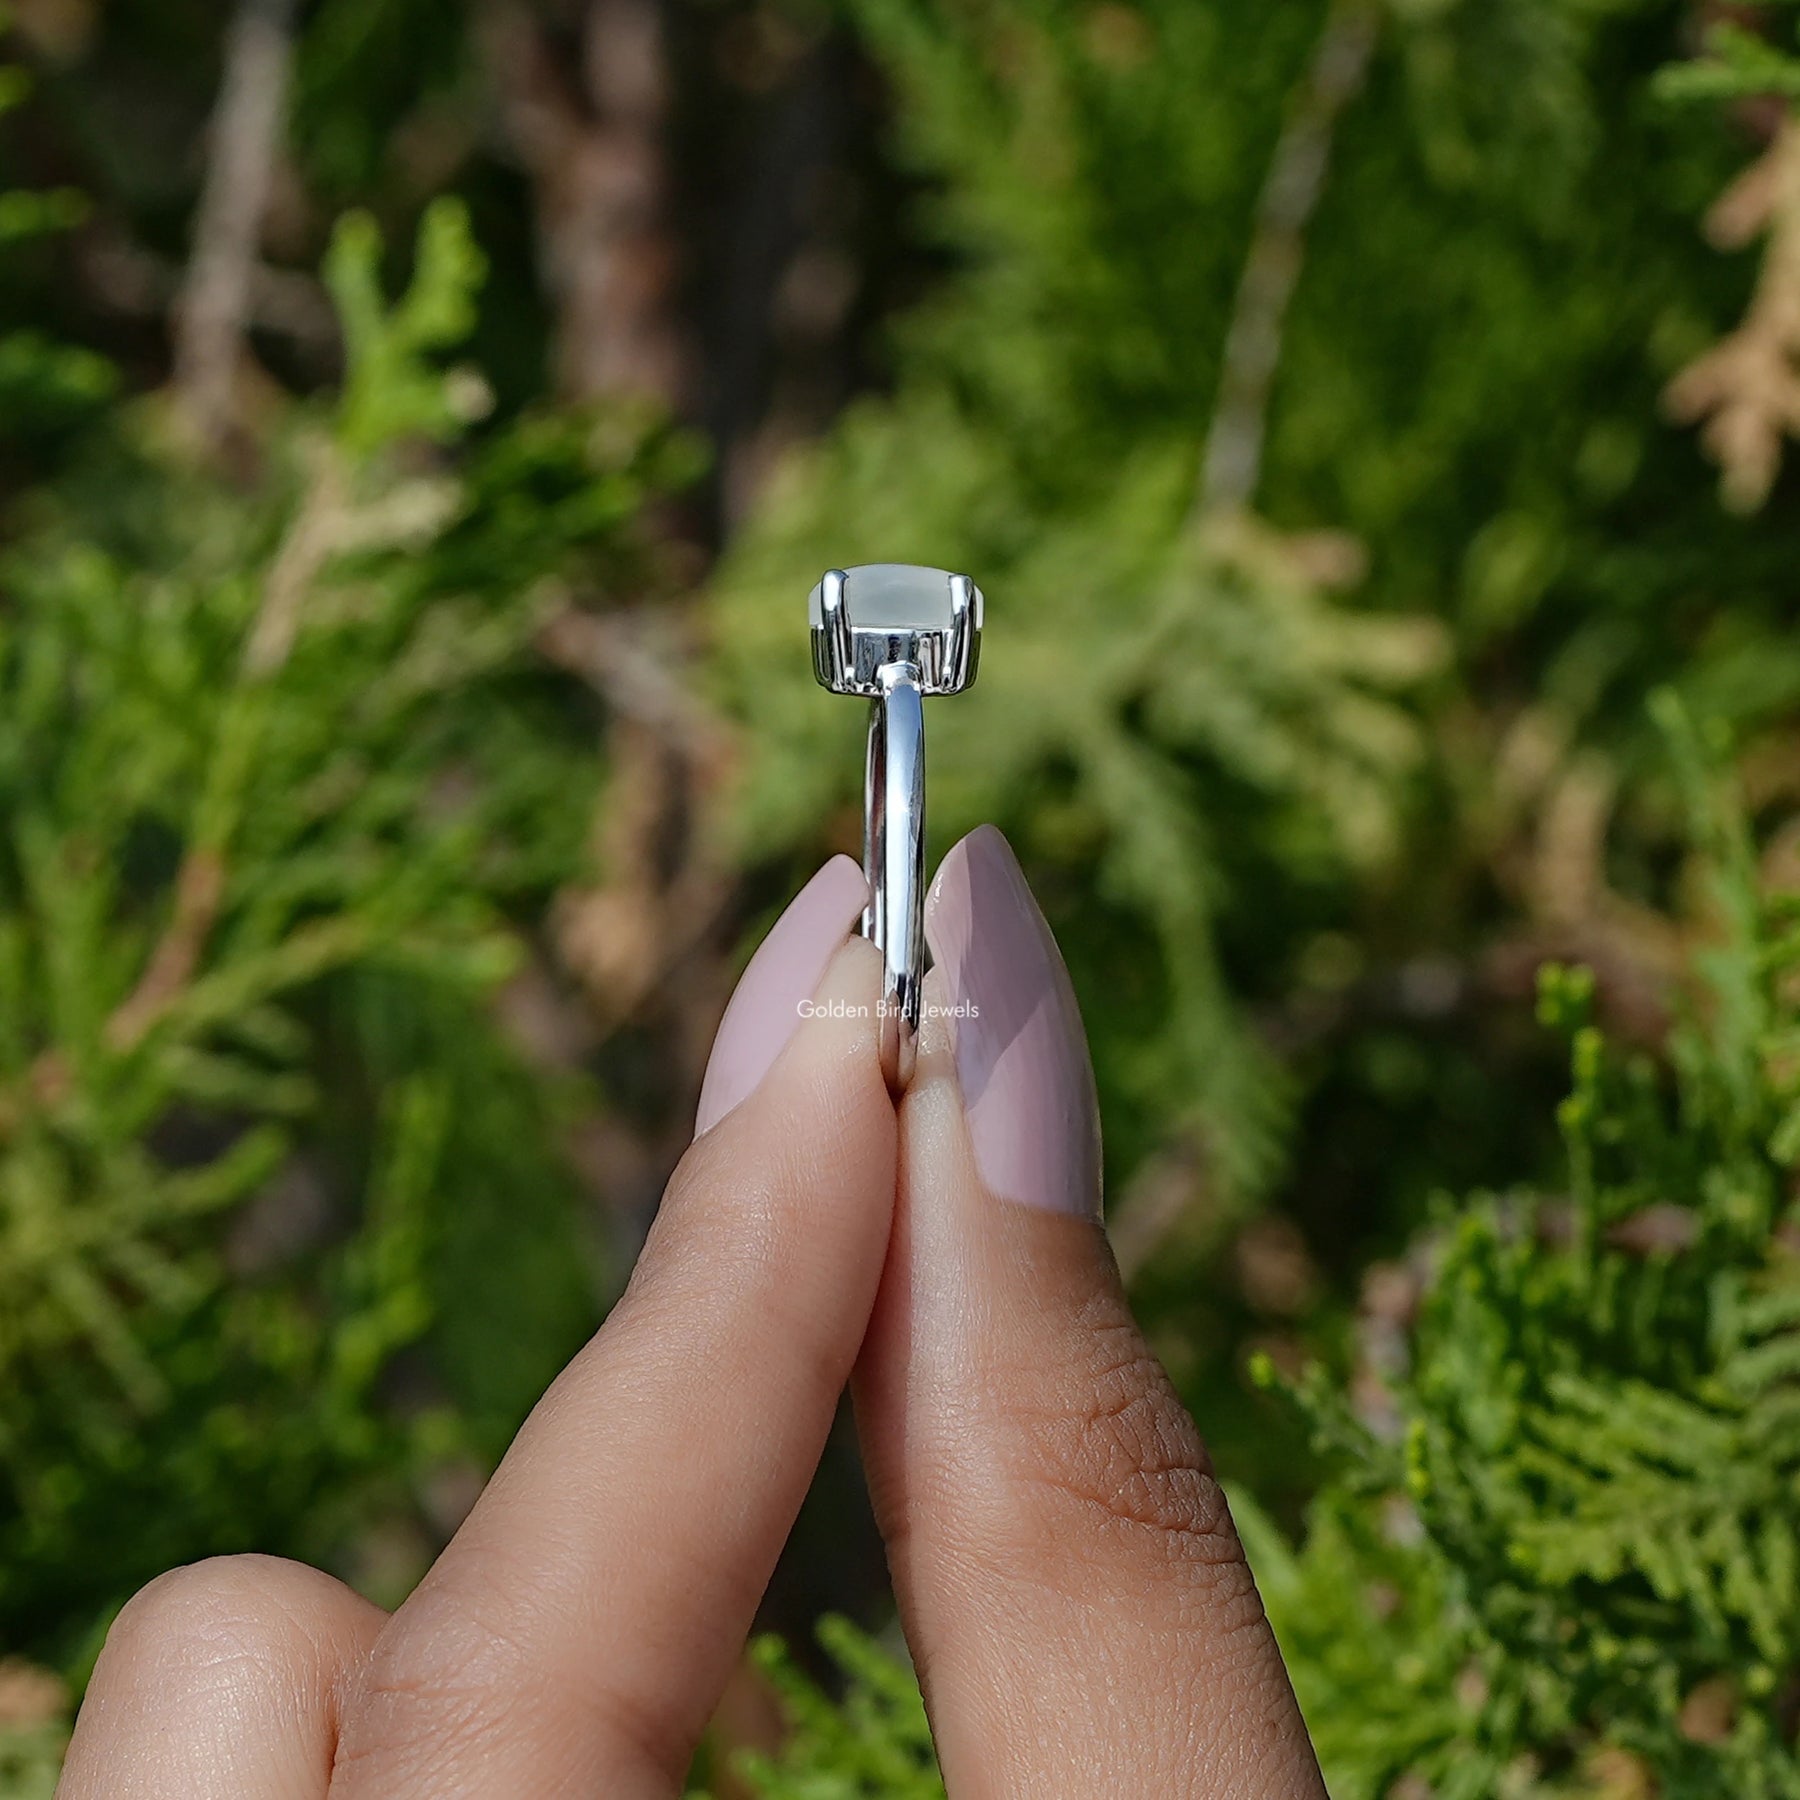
(1071, 1584)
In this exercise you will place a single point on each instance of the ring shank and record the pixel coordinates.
(894, 861)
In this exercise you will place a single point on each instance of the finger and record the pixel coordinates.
(1068, 1575)
(576, 1635)
(221, 1681)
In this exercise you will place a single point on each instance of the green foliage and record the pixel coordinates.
(1575, 1511)
(873, 1744)
(358, 67)
(277, 769)
(1739, 64)
(390, 390)
(30, 1761)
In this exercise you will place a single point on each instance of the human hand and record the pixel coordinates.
(1072, 1589)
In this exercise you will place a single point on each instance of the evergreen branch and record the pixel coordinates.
(1601, 1428)
(201, 880)
(1739, 64)
(304, 551)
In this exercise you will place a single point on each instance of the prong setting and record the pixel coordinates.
(867, 619)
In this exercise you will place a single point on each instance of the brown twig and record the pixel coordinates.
(1232, 465)
(312, 536)
(590, 131)
(215, 298)
(134, 282)
(199, 889)
(610, 653)
(667, 887)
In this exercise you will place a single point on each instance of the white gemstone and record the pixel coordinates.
(901, 596)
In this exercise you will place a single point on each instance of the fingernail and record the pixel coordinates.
(788, 965)
(1021, 1054)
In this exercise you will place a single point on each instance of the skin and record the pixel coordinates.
(1071, 1586)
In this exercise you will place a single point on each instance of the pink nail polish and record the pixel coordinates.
(1021, 1054)
(788, 965)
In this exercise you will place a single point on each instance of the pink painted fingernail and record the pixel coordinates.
(788, 965)
(1021, 1054)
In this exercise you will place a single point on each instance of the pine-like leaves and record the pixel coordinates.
(1589, 1552)
(278, 767)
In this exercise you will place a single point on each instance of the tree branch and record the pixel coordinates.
(216, 294)
(591, 136)
(1745, 391)
(200, 881)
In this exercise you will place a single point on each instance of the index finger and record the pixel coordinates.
(576, 1634)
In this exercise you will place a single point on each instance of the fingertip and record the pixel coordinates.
(828, 1068)
(778, 982)
(1014, 1031)
(833, 1063)
(810, 1154)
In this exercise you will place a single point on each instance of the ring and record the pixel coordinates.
(895, 633)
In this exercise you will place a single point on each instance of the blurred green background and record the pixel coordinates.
(420, 425)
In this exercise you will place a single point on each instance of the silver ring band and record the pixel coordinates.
(894, 862)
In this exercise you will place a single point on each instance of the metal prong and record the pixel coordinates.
(965, 634)
(831, 648)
